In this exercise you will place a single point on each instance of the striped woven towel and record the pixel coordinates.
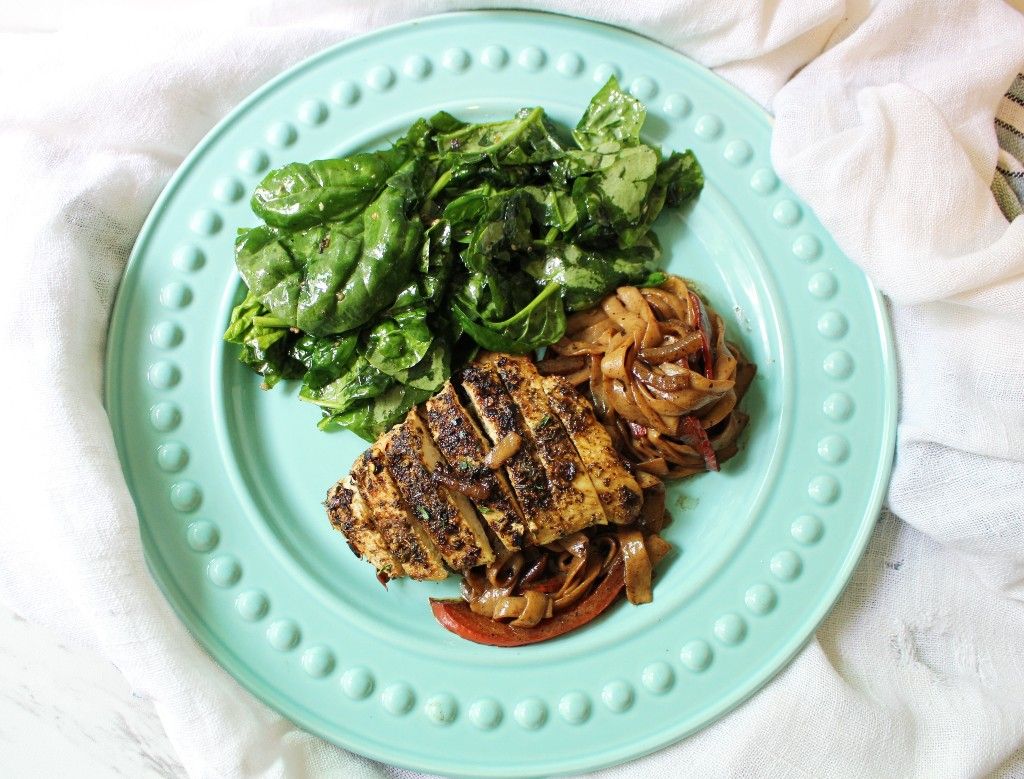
(1008, 185)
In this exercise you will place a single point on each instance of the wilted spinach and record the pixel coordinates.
(539, 323)
(586, 275)
(266, 348)
(373, 276)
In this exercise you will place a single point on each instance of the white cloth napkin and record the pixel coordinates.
(884, 125)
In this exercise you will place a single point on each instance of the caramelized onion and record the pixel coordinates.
(655, 465)
(650, 359)
(667, 305)
(703, 324)
(504, 572)
(537, 607)
(652, 513)
(676, 349)
(536, 587)
(502, 450)
(660, 380)
(638, 566)
(471, 489)
(535, 570)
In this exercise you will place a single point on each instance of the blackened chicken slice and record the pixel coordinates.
(616, 487)
(574, 499)
(348, 514)
(499, 418)
(465, 448)
(407, 540)
(446, 515)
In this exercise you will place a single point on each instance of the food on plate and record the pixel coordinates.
(438, 477)
(507, 478)
(410, 290)
(372, 277)
(663, 379)
(541, 483)
(474, 469)
(409, 541)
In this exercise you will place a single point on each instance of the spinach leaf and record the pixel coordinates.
(612, 199)
(435, 266)
(369, 419)
(681, 176)
(397, 343)
(368, 400)
(464, 211)
(678, 180)
(503, 231)
(528, 138)
(552, 207)
(444, 122)
(585, 276)
(302, 195)
(431, 371)
(493, 251)
(269, 271)
(359, 382)
(613, 115)
(241, 318)
(495, 294)
(330, 253)
(265, 349)
(296, 274)
(390, 240)
(539, 323)
(418, 139)
(324, 359)
(433, 270)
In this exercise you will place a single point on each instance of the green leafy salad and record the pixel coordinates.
(373, 276)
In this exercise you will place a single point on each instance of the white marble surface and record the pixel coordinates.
(68, 712)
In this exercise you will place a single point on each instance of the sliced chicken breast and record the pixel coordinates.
(447, 515)
(404, 506)
(499, 417)
(616, 487)
(348, 513)
(406, 539)
(464, 447)
(574, 498)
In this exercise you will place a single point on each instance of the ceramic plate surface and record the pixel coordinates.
(229, 480)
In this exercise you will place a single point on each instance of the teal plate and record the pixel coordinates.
(229, 480)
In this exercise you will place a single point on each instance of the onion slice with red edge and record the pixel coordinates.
(704, 325)
(695, 430)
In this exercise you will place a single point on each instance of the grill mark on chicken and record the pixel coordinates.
(574, 497)
(339, 511)
(348, 514)
(404, 500)
(406, 540)
(617, 488)
(499, 417)
(464, 446)
(451, 523)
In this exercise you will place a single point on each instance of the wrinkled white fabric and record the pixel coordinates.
(884, 118)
